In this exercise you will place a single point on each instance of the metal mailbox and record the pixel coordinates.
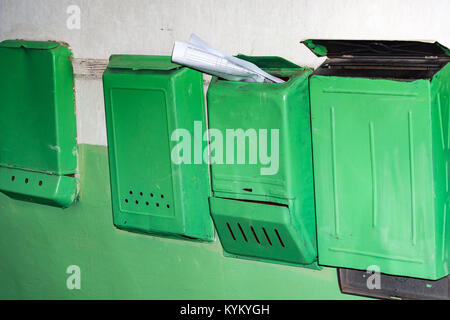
(38, 147)
(264, 211)
(146, 99)
(380, 129)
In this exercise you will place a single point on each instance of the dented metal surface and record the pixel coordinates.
(147, 98)
(256, 228)
(38, 148)
(381, 153)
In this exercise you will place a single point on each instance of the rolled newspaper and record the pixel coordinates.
(198, 55)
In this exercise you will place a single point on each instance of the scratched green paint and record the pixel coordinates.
(280, 234)
(319, 50)
(381, 152)
(38, 146)
(146, 99)
(38, 243)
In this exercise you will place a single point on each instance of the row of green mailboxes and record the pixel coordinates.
(343, 166)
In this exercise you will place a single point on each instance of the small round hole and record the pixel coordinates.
(168, 206)
(126, 200)
(157, 204)
(13, 178)
(131, 192)
(162, 196)
(26, 180)
(141, 193)
(124, 222)
(151, 194)
(40, 183)
(137, 202)
(146, 203)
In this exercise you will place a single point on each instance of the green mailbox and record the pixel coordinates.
(380, 129)
(147, 99)
(263, 203)
(38, 147)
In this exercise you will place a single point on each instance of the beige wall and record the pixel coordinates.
(254, 27)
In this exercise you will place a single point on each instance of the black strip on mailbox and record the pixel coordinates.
(393, 287)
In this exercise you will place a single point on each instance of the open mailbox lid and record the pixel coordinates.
(376, 48)
(380, 58)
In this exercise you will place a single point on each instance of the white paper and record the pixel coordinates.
(197, 54)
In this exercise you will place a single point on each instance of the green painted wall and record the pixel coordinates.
(38, 243)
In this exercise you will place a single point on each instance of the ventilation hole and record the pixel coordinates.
(126, 200)
(26, 180)
(40, 183)
(137, 202)
(13, 178)
(267, 237)
(124, 222)
(254, 233)
(162, 196)
(151, 195)
(168, 206)
(131, 192)
(157, 204)
(141, 193)
(248, 189)
(242, 231)
(231, 231)
(146, 203)
(279, 238)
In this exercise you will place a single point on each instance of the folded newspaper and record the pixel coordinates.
(197, 54)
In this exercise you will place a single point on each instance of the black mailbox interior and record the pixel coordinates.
(406, 60)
